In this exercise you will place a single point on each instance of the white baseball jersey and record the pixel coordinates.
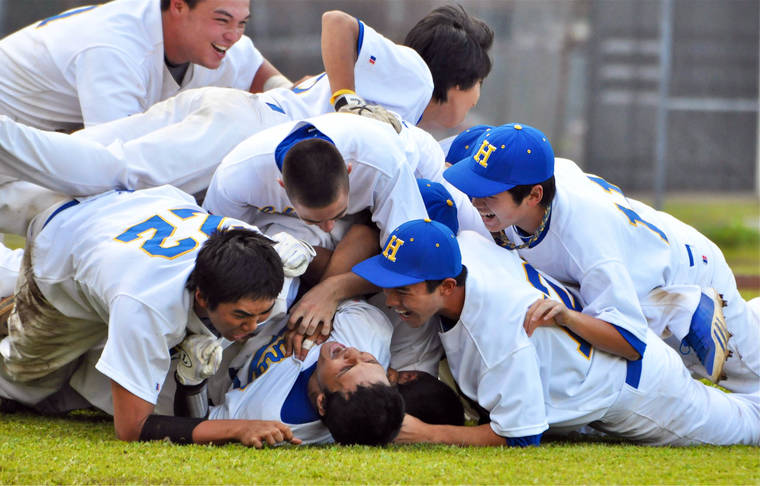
(122, 259)
(490, 355)
(630, 250)
(385, 73)
(382, 178)
(270, 386)
(94, 64)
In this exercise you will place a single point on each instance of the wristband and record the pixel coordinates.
(339, 93)
(179, 430)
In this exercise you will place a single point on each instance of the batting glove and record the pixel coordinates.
(353, 103)
(295, 254)
(199, 357)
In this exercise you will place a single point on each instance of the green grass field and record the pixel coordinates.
(81, 448)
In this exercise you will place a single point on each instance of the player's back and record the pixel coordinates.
(138, 244)
(385, 73)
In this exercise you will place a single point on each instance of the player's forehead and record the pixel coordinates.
(233, 8)
(363, 373)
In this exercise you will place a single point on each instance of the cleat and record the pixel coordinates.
(708, 336)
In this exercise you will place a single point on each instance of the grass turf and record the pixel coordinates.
(82, 449)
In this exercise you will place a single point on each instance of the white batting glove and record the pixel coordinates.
(353, 103)
(199, 357)
(295, 254)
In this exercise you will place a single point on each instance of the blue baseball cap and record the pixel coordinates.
(504, 157)
(461, 147)
(416, 251)
(439, 203)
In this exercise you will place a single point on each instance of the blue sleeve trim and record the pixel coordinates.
(360, 38)
(637, 343)
(528, 440)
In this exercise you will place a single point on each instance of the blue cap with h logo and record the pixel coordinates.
(502, 158)
(416, 251)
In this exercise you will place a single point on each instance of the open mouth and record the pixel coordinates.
(403, 313)
(336, 349)
(218, 48)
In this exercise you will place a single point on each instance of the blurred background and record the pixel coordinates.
(658, 96)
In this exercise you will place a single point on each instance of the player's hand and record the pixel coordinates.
(199, 357)
(353, 103)
(299, 344)
(413, 431)
(544, 312)
(316, 306)
(257, 433)
(295, 254)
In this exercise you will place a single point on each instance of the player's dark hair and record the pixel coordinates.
(236, 263)
(370, 415)
(521, 192)
(431, 285)
(190, 3)
(314, 173)
(431, 400)
(455, 47)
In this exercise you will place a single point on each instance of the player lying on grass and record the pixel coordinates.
(339, 391)
(482, 296)
(138, 270)
(542, 206)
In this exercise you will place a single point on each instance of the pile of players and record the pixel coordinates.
(222, 255)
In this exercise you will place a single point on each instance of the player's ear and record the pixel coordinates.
(349, 167)
(320, 402)
(200, 299)
(282, 184)
(447, 286)
(536, 195)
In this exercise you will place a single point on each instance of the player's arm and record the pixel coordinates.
(268, 77)
(338, 283)
(133, 420)
(414, 431)
(340, 32)
(601, 334)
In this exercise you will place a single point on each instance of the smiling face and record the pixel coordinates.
(204, 33)
(499, 211)
(235, 321)
(413, 303)
(342, 369)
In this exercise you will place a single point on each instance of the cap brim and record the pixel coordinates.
(375, 272)
(463, 177)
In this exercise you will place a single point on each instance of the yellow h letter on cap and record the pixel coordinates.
(392, 248)
(485, 150)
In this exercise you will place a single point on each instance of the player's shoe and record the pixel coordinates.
(708, 335)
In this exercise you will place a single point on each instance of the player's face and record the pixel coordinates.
(211, 28)
(341, 368)
(458, 103)
(237, 320)
(500, 211)
(413, 303)
(325, 217)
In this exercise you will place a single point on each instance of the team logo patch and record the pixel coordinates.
(372, 59)
(704, 259)
(392, 248)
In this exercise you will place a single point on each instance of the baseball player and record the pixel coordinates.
(97, 63)
(482, 295)
(542, 206)
(139, 270)
(351, 364)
